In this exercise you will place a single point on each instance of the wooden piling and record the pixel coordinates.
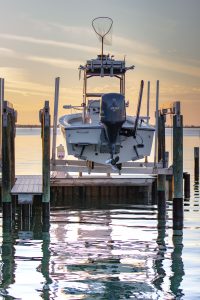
(8, 157)
(13, 120)
(26, 214)
(170, 187)
(161, 179)
(161, 139)
(1, 108)
(57, 82)
(186, 177)
(45, 130)
(196, 163)
(156, 129)
(178, 170)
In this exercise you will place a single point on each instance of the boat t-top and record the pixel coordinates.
(102, 132)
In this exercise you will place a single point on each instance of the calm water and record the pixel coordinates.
(117, 252)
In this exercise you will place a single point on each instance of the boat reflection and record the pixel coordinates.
(116, 253)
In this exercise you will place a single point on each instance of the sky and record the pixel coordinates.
(44, 39)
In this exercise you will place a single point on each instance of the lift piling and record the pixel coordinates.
(45, 135)
(8, 157)
(178, 170)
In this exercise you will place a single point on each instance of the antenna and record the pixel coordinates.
(102, 27)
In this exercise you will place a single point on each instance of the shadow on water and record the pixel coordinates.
(114, 251)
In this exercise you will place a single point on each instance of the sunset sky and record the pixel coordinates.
(43, 39)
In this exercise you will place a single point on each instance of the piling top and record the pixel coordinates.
(196, 152)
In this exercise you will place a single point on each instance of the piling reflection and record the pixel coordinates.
(177, 266)
(45, 262)
(7, 257)
(25, 258)
(196, 190)
(160, 257)
(118, 253)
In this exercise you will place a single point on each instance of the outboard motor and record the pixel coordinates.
(113, 115)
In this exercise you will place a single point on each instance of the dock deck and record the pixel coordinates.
(27, 184)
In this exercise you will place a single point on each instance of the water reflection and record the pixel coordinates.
(118, 253)
(162, 248)
(8, 263)
(196, 190)
(177, 266)
(104, 264)
(24, 247)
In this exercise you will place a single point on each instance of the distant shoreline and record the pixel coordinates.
(39, 126)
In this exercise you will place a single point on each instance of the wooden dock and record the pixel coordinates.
(27, 184)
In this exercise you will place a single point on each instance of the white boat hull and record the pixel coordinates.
(87, 141)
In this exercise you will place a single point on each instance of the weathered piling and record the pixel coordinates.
(161, 179)
(186, 178)
(148, 102)
(178, 168)
(161, 139)
(56, 97)
(156, 129)
(1, 106)
(45, 134)
(159, 156)
(8, 157)
(26, 214)
(196, 163)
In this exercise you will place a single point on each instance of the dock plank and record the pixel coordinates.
(27, 184)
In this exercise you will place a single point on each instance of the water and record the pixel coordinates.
(116, 252)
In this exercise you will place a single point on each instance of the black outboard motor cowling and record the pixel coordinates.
(113, 115)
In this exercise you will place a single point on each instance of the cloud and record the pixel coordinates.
(117, 40)
(143, 54)
(156, 62)
(59, 63)
(46, 42)
(134, 46)
(27, 88)
(6, 52)
(76, 30)
(12, 73)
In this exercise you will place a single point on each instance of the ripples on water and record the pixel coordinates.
(116, 252)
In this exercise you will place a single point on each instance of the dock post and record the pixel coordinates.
(161, 197)
(8, 162)
(1, 106)
(196, 163)
(156, 129)
(55, 118)
(186, 177)
(170, 187)
(178, 168)
(161, 139)
(45, 127)
(148, 101)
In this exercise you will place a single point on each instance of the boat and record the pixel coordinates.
(101, 131)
